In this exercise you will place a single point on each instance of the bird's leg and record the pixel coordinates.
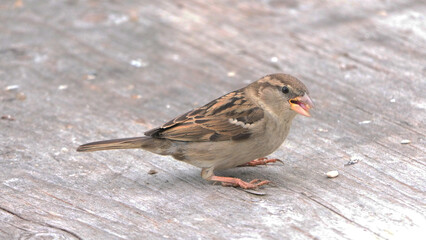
(207, 173)
(260, 161)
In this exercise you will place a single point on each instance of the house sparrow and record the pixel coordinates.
(243, 125)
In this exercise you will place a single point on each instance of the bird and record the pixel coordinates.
(237, 129)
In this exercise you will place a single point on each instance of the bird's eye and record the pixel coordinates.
(285, 90)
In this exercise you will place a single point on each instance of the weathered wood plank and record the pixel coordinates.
(105, 69)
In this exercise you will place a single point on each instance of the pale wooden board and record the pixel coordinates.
(354, 56)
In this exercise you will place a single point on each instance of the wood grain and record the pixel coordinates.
(94, 70)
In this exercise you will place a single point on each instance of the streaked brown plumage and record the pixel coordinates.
(232, 130)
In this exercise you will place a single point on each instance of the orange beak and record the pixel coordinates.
(301, 105)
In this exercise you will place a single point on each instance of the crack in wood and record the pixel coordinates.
(338, 213)
(40, 223)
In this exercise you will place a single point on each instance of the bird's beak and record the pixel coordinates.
(301, 105)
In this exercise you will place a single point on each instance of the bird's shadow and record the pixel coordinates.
(191, 178)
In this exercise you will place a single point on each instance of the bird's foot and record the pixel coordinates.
(236, 182)
(260, 161)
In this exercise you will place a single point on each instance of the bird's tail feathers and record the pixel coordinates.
(123, 143)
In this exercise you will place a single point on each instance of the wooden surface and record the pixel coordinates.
(94, 70)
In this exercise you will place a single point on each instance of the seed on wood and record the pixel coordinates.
(332, 174)
(7, 117)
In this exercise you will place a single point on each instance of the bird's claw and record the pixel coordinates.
(253, 184)
(261, 161)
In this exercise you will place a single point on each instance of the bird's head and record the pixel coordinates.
(282, 94)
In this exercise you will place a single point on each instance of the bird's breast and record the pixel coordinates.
(275, 133)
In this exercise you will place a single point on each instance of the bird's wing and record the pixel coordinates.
(229, 117)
